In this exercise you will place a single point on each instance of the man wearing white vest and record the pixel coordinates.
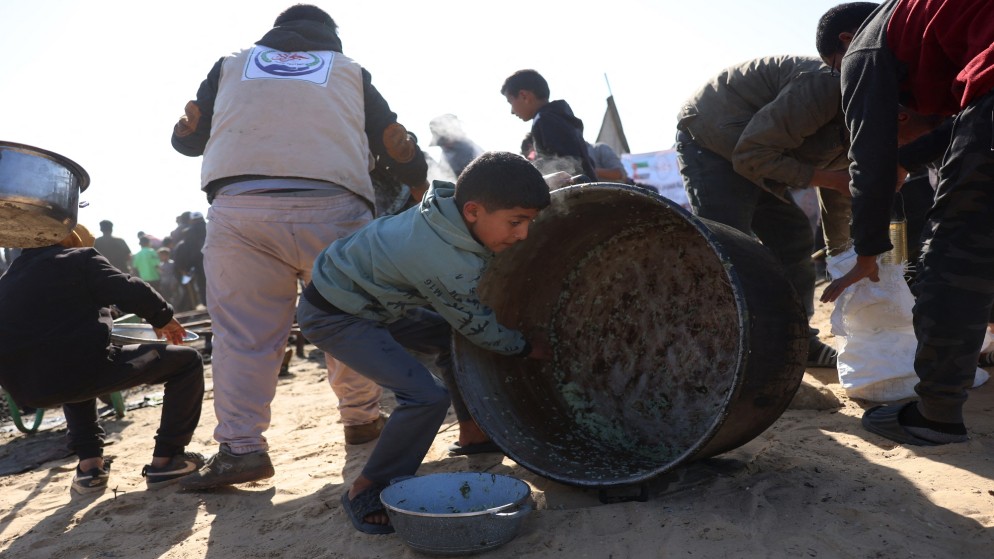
(289, 130)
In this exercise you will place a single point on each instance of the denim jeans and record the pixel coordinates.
(718, 193)
(379, 351)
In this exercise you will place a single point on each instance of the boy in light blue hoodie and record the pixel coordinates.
(409, 281)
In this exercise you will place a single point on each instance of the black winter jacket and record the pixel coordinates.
(55, 303)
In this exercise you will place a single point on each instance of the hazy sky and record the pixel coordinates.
(103, 82)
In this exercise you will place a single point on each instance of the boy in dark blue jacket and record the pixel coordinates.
(557, 134)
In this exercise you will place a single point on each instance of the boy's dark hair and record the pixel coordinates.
(527, 143)
(106, 225)
(528, 80)
(501, 180)
(143, 241)
(308, 12)
(840, 19)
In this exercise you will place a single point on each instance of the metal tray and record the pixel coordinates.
(127, 333)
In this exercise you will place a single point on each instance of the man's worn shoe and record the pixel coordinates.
(226, 468)
(359, 434)
(179, 466)
(92, 480)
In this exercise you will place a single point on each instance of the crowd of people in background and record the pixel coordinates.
(173, 265)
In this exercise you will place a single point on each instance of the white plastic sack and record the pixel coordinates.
(878, 344)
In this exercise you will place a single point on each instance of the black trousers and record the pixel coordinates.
(718, 193)
(179, 369)
(954, 287)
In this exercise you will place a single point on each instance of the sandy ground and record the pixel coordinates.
(812, 485)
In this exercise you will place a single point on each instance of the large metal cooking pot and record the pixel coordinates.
(39, 195)
(675, 339)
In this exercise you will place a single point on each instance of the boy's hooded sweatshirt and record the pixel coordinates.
(424, 256)
(558, 133)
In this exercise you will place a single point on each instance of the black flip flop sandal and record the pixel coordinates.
(364, 504)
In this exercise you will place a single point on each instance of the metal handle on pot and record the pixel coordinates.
(525, 509)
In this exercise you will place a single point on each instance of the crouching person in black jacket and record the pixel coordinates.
(55, 348)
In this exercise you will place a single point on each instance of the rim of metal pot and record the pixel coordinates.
(75, 168)
(735, 283)
(737, 288)
(493, 510)
(740, 307)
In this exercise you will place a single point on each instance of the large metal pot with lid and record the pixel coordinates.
(39, 195)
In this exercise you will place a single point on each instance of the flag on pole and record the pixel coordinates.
(611, 132)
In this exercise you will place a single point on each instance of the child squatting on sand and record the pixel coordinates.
(369, 298)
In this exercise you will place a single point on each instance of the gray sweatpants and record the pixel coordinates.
(377, 351)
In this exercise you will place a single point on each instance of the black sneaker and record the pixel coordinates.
(92, 480)
(180, 465)
(822, 355)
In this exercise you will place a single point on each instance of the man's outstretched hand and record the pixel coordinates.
(172, 332)
(865, 267)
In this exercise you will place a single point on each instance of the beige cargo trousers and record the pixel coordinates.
(258, 248)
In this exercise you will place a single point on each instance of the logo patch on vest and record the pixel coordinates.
(265, 63)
